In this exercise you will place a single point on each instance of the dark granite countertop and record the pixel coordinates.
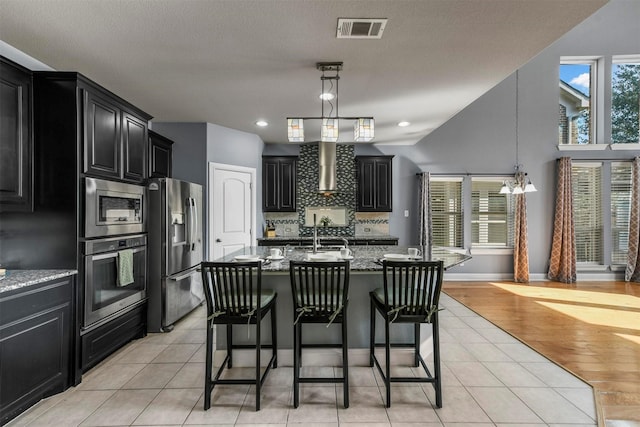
(16, 279)
(365, 258)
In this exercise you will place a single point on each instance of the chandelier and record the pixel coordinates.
(520, 182)
(363, 127)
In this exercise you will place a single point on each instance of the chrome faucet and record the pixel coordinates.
(315, 235)
(346, 242)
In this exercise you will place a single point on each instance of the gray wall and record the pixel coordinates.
(481, 138)
(197, 144)
(189, 149)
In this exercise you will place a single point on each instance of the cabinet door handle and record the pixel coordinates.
(218, 241)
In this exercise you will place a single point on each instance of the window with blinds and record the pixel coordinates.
(620, 211)
(446, 212)
(587, 211)
(492, 215)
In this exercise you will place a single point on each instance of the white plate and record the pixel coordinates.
(247, 258)
(321, 257)
(275, 258)
(396, 257)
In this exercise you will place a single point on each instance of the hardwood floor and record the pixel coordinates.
(592, 329)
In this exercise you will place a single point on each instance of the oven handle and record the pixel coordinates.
(114, 254)
(183, 276)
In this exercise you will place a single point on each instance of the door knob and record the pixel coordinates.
(218, 240)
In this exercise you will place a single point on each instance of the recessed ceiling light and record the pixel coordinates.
(262, 123)
(403, 124)
(327, 96)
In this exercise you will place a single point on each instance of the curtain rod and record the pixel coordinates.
(467, 174)
(573, 159)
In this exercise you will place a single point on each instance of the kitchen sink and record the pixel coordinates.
(323, 248)
(324, 256)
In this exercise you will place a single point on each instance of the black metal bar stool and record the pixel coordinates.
(235, 297)
(320, 293)
(410, 295)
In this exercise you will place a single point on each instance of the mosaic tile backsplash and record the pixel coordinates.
(291, 224)
(308, 188)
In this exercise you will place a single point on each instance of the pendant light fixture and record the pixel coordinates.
(363, 128)
(520, 182)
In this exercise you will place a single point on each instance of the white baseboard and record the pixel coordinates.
(477, 277)
(605, 276)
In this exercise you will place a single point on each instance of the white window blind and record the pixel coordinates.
(587, 211)
(620, 210)
(446, 212)
(492, 216)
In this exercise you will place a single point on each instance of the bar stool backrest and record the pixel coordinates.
(412, 288)
(232, 288)
(319, 288)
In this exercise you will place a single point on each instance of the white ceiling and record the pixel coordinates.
(232, 62)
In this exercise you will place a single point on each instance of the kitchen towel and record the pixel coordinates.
(125, 267)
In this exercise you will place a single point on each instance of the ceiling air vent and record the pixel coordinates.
(361, 28)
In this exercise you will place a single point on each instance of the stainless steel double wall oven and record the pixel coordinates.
(114, 232)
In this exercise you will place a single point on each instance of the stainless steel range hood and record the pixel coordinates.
(327, 167)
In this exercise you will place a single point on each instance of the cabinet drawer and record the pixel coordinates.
(34, 299)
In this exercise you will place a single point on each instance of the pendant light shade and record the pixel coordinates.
(329, 131)
(295, 130)
(505, 189)
(363, 130)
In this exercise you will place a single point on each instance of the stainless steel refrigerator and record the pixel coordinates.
(175, 251)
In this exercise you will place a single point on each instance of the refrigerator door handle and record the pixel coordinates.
(189, 203)
(183, 276)
(194, 229)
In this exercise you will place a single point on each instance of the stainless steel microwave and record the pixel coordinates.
(113, 208)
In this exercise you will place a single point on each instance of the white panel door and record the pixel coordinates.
(232, 204)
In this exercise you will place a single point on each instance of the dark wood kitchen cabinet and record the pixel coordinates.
(279, 178)
(115, 140)
(113, 133)
(16, 143)
(102, 136)
(160, 152)
(37, 346)
(374, 181)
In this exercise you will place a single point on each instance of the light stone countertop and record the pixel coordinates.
(16, 279)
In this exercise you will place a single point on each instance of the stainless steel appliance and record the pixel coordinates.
(175, 251)
(113, 208)
(104, 298)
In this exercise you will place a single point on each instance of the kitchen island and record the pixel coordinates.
(366, 275)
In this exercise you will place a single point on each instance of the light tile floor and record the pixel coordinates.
(490, 379)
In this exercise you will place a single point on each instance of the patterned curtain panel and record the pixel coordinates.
(562, 266)
(425, 213)
(521, 243)
(632, 273)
